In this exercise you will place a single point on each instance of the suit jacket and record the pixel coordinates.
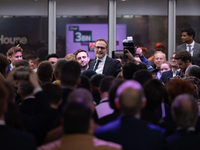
(132, 133)
(111, 66)
(12, 139)
(183, 140)
(169, 74)
(196, 52)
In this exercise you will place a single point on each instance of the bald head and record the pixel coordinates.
(130, 96)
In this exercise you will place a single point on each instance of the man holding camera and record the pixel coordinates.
(103, 64)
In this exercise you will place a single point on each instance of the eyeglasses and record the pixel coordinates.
(99, 47)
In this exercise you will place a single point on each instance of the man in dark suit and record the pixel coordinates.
(129, 130)
(185, 113)
(10, 138)
(190, 45)
(103, 64)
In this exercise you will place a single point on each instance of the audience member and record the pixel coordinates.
(187, 36)
(103, 64)
(159, 58)
(52, 58)
(103, 111)
(22, 63)
(142, 76)
(128, 130)
(14, 54)
(45, 72)
(11, 138)
(70, 57)
(185, 114)
(83, 59)
(4, 63)
(165, 66)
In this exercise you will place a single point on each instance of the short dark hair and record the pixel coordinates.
(70, 73)
(189, 31)
(22, 63)
(106, 83)
(52, 55)
(129, 69)
(25, 87)
(77, 117)
(142, 76)
(45, 71)
(53, 91)
(183, 55)
(80, 50)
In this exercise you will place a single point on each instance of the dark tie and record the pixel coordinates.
(190, 50)
(97, 64)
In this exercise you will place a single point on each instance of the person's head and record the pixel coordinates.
(173, 61)
(24, 63)
(78, 112)
(165, 66)
(4, 63)
(70, 74)
(159, 57)
(184, 59)
(70, 57)
(14, 54)
(101, 48)
(52, 58)
(187, 35)
(129, 69)
(85, 82)
(58, 66)
(193, 70)
(25, 88)
(106, 83)
(45, 71)
(176, 87)
(82, 57)
(129, 97)
(53, 92)
(159, 47)
(3, 102)
(185, 111)
(154, 92)
(142, 76)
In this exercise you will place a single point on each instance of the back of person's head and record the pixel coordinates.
(22, 63)
(154, 92)
(130, 97)
(112, 92)
(189, 31)
(45, 71)
(129, 69)
(25, 88)
(89, 73)
(193, 70)
(183, 55)
(4, 63)
(96, 79)
(3, 98)
(79, 109)
(11, 96)
(58, 66)
(185, 111)
(85, 82)
(142, 76)
(176, 87)
(53, 91)
(70, 73)
(106, 83)
(14, 50)
(77, 116)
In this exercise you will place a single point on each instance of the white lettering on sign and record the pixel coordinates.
(12, 40)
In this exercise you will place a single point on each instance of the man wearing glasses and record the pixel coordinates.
(103, 64)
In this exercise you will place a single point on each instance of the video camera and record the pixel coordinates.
(127, 44)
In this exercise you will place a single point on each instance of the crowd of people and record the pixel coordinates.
(132, 102)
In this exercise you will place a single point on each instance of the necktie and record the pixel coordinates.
(97, 64)
(190, 48)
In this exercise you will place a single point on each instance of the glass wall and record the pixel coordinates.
(24, 23)
(78, 26)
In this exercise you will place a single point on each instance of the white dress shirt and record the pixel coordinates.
(101, 65)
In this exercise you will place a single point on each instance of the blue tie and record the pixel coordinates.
(97, 64)
(190, 50)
